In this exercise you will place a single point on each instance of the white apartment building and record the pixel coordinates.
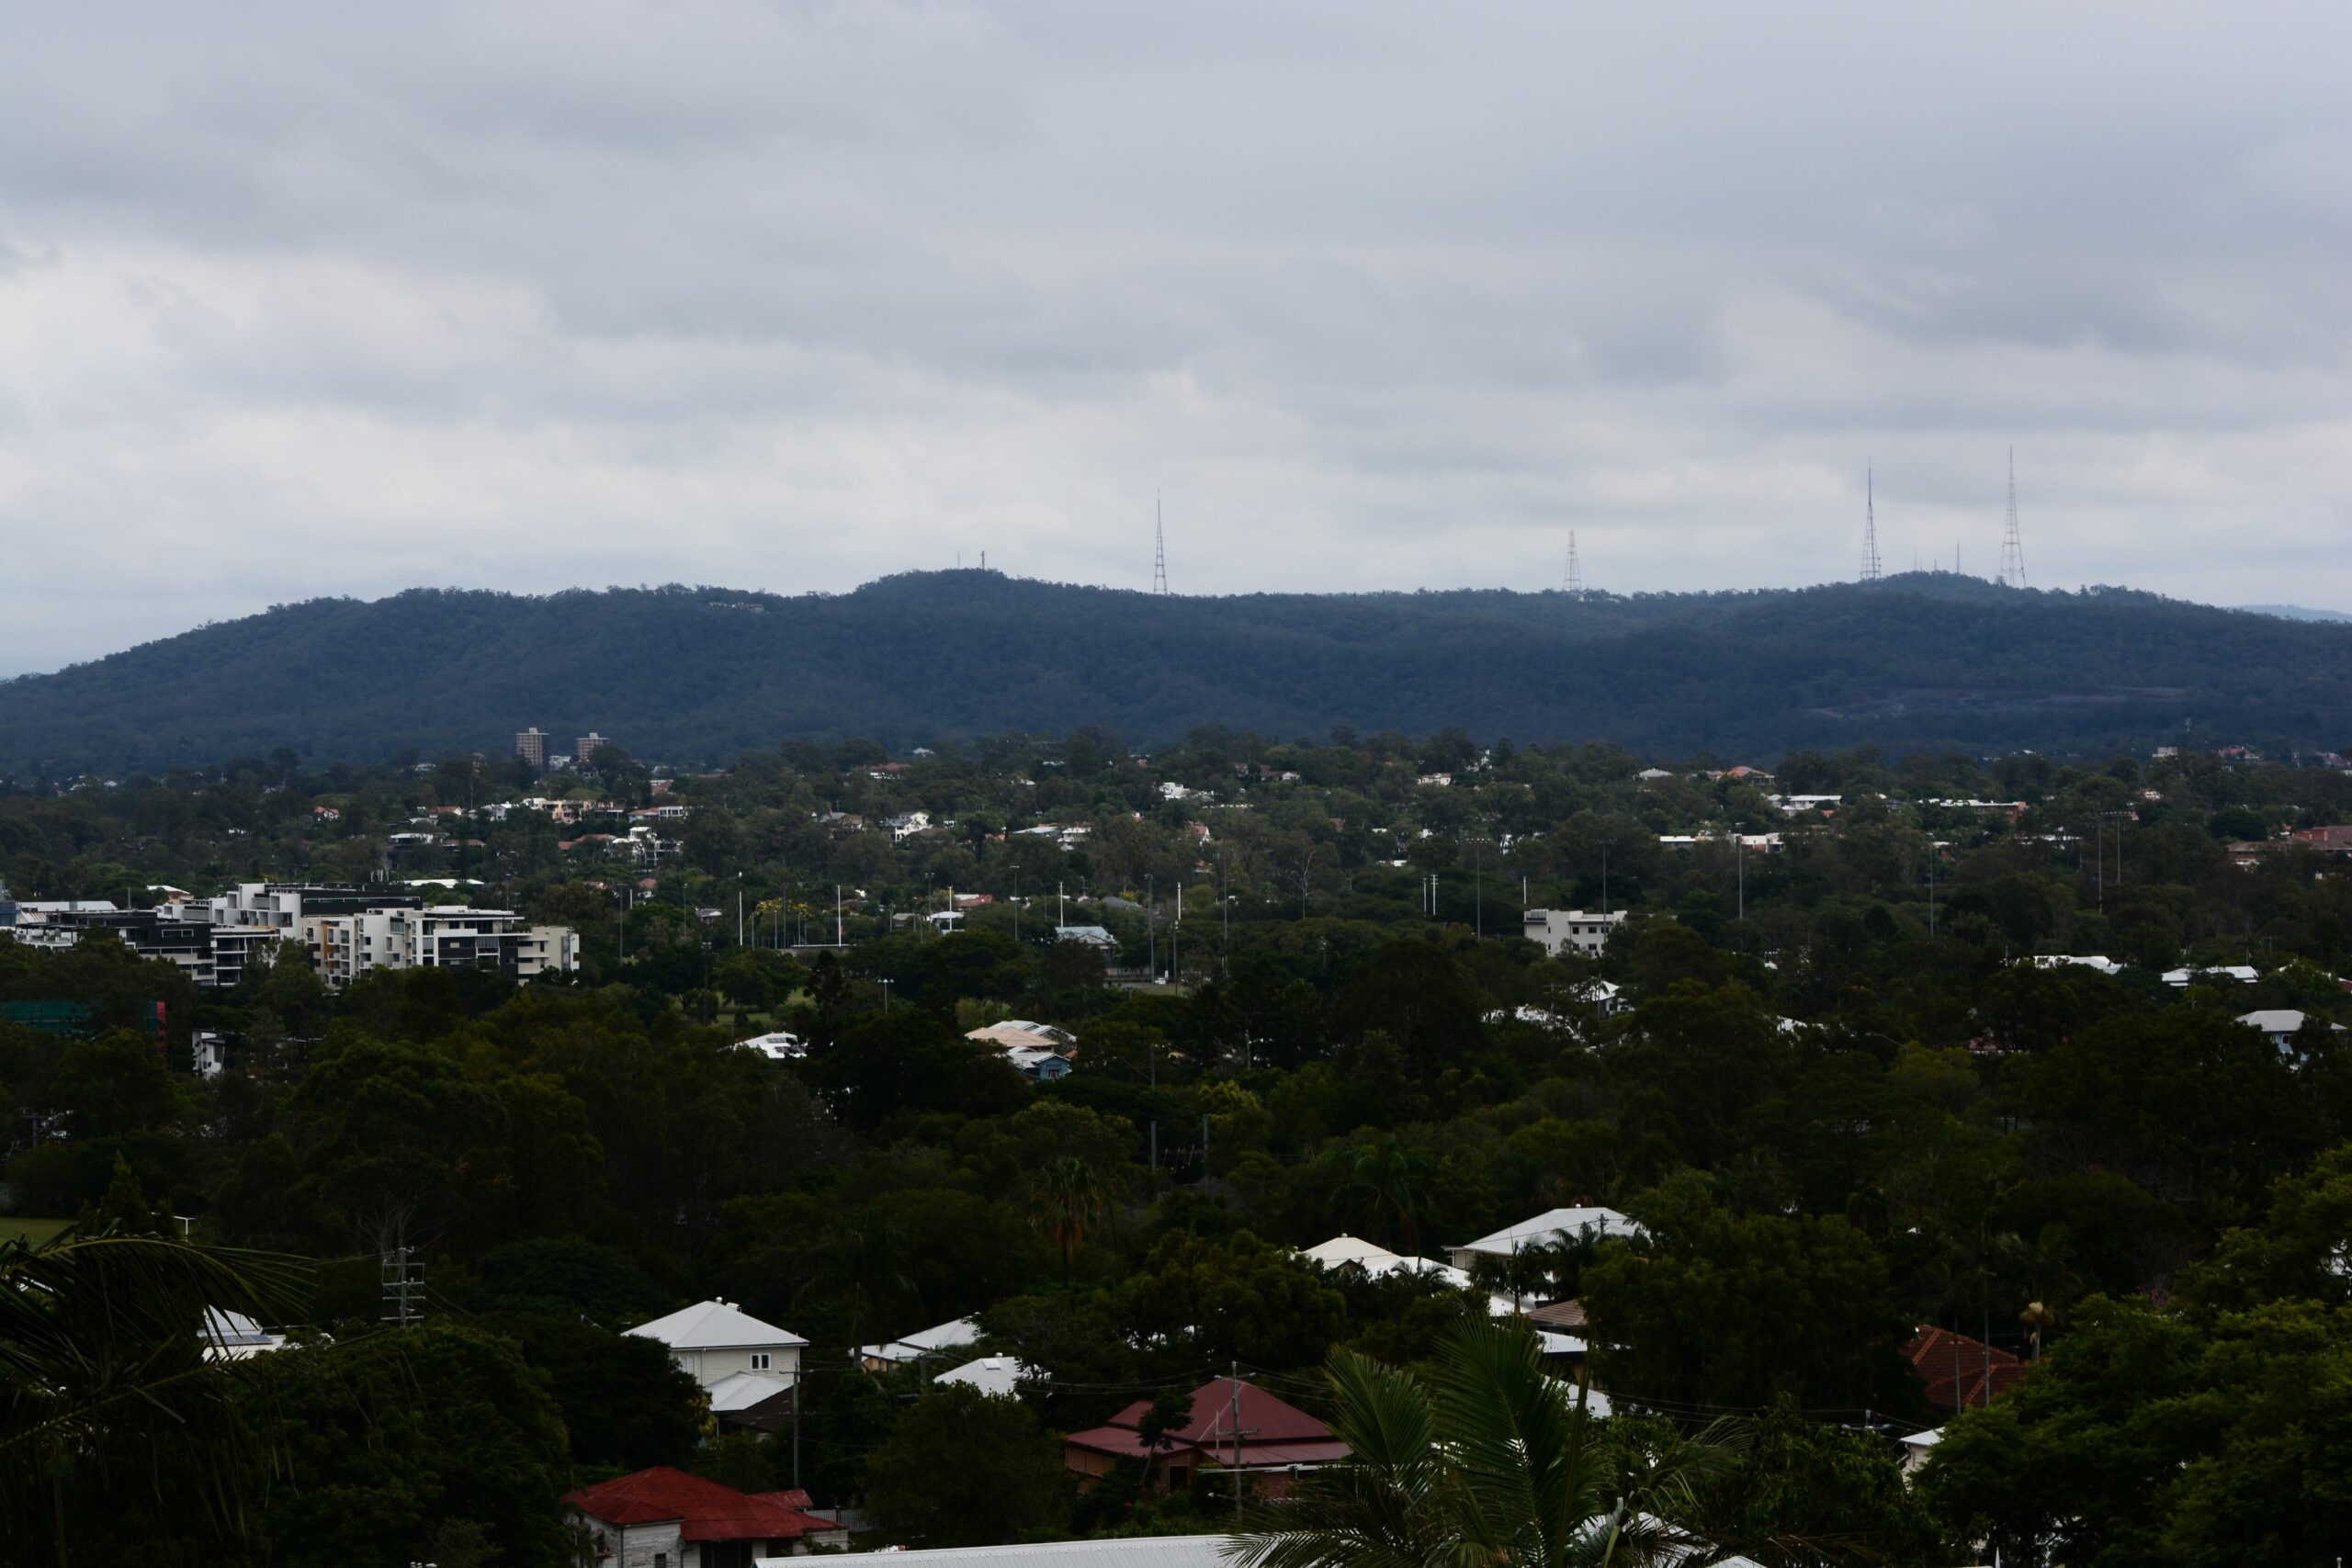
(1576, 930)
(348, 931)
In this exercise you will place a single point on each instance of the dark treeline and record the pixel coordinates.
(1923, 661)
(1828, 1080)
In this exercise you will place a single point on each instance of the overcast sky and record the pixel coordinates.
(313, 299)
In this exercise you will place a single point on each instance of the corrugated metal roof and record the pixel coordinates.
(713, 1326)
(1130, 1551)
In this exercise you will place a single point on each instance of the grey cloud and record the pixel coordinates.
(301, 299)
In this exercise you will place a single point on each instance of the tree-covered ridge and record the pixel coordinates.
(1923, 660)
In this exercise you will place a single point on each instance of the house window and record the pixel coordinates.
(661, 1560)
(758, 1360)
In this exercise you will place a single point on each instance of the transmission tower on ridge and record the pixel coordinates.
(2012, 549)
(1870, 528)
(1573, 584)
(1158, 550)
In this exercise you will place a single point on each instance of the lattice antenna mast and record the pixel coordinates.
(1574, 583)
(1870, 527)
(2012, 549)
(1158, 550)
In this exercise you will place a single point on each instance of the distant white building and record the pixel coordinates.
(1376, 1261)
(999, 1377)
(922, 1344)
(776, 1046)
(1578, 931)
(2244, 974)
(2282, 1024)
(2104, 964)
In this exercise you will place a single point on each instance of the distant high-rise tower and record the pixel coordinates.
(1870, 527)
(532, 747)
(2012, 550)
(1158, 550)
(1573, 584)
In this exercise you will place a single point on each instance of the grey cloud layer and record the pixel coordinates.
(295, 300)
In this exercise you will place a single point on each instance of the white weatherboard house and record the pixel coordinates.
(713, 1341)
(1541, 1230)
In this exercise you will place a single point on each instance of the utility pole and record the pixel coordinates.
(1739, 860)
(1604, 882)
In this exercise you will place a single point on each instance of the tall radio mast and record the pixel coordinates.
(1870, 527)
(2012, 549)
(1158, 550)
(1573, 584)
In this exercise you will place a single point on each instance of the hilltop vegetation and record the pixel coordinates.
(1920, 662)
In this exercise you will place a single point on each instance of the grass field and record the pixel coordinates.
(15, 1228)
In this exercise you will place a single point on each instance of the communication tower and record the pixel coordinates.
(2012, 550)
(1870, 528)
(1158, 550)
(1573, 584)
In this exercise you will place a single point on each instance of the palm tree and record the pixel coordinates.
(1389, 1184)
(111, 1416)
(1068, 1195)
(1491, 1462)
(859, 1267)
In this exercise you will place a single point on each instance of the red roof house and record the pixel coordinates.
(1960, 1371)
(657, 1514)
(1275, 1438)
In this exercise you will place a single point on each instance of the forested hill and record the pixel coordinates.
(1923, 660)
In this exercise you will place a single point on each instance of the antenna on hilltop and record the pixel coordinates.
(1158, 550)
(2012, 550)
(1870, 527)
(1573, 584)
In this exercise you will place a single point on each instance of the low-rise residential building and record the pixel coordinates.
(999, 1377)
(920, 1345)
(1960, 1372)
(1541, 1230)
(665, 1518)
(749, 1369)
(1571, 931)
(1233, 1425)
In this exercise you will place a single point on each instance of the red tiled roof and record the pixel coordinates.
(1960, 1372)
(708, 1510)
(1272, 1432)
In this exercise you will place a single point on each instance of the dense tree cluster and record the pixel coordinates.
(1823, 1070)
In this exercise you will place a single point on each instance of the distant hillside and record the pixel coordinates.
(2297, 613)
(1923, 660)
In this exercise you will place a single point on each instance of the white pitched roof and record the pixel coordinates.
(1376, 1260)
(926, 1342)
(740, 1390)
(714, 1325)
(999, 1375)
(1544, 1226)
(1120, 1551)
